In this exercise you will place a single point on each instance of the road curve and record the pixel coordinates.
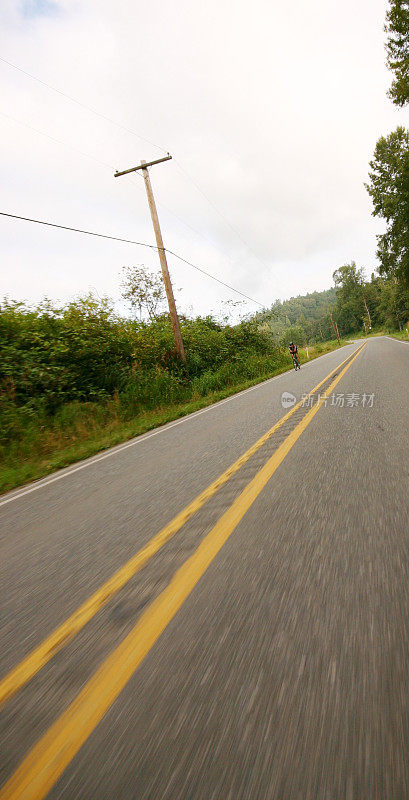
(272, 625)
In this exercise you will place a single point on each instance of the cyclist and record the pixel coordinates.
(294, 351)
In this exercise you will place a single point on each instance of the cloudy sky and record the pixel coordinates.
(271, 111)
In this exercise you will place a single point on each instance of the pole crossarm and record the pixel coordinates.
(143, 166)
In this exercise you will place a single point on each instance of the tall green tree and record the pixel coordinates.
(352, 307)
(397, 49)
(389, 189)
(393, 304)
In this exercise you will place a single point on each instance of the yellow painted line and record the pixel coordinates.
(41, 655)
(49, 758)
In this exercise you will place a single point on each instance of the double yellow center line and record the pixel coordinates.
(51, 755)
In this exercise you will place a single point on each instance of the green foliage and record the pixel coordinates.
(295, 333)
(364, 305)
(54, 355)
(78, 430)
(70, 375)
(389, 190)
(55, 359)
(144, 290)
(388, 184)
(307, 313)
(397, 49)
(349, 282)
(392, 303)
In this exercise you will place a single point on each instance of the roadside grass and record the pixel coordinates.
(80, 430)
(401, 335)
(374, 332)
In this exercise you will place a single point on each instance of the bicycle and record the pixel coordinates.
(296, 362)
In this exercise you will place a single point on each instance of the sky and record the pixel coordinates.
(270, 110)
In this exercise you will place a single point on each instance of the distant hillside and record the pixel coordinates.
(305, 312)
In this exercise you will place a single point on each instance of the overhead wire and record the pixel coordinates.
(83, 105)
(134, 176)
(142, 138)
(221, 215)
(131, 241)
(54, 139)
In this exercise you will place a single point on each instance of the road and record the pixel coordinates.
(254, 642)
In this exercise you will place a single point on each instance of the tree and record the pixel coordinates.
(352, 305)
(144, 290)
(294, 334)
(397, 49)
(393, 305)
(389, 190)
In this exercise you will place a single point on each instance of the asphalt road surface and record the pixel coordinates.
(241, 635)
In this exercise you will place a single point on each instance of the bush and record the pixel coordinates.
(64, 371)
(80, 352)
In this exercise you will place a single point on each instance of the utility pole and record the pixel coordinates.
(338, 336)
(336, 331)
(368, 314)
(161, 250)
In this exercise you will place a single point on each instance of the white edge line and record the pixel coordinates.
(65, 473)
(392, 339)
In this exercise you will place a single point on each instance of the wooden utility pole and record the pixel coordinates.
(161, 250)
(368, 314)
(338, 336)
(336, 331)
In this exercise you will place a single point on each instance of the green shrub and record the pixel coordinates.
(67, 371)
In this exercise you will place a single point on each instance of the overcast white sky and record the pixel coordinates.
(272, 108)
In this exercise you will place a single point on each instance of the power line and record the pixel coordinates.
(199, 269)
(144, 139)
(131, 241)
(134, 177)
(223, 217)
(57, 141)
(76, 230)
(83, 105)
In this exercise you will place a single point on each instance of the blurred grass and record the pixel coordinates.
(402, 336)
